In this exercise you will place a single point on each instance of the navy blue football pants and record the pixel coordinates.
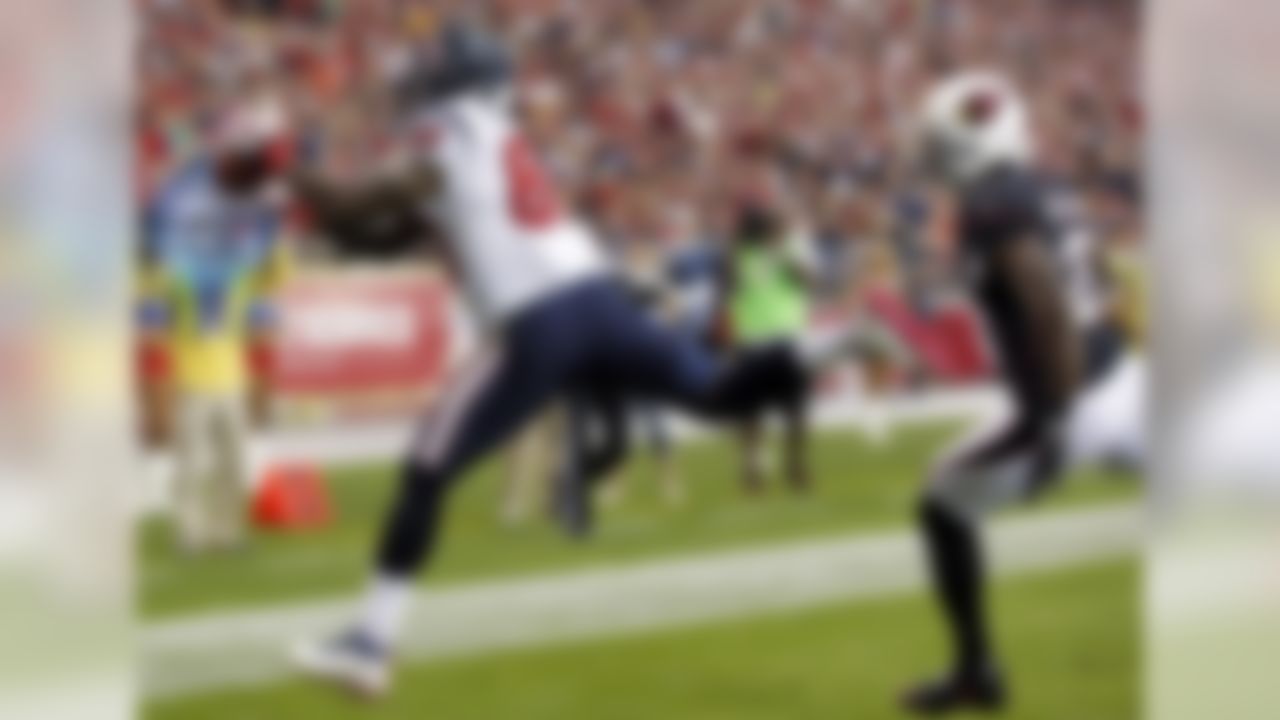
(589, 337)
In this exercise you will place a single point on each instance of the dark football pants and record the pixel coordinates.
(590, 335)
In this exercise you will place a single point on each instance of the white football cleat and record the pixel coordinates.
(351, 661)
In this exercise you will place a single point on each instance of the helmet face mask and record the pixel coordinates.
(940, 158)
(970, 123)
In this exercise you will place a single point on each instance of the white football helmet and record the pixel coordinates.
(970, 122)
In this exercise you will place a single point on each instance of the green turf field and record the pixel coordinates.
(1071, 637)
(857, 487)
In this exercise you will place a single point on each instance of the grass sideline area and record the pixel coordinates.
(858, 487)
(1070, 640)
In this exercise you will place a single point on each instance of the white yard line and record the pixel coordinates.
(215, 652)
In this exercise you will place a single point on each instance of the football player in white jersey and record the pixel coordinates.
(1076, 390)
(557, 320)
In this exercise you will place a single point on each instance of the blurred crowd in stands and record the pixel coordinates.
(658, 116)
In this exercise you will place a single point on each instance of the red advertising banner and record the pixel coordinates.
(949, 341)
(354, 333)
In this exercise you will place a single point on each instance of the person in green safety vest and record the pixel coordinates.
(771, 271)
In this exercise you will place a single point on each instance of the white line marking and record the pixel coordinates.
(215, 652)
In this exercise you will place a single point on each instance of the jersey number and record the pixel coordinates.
(532, 196)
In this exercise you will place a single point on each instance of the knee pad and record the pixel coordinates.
(970, 494)
(935, 509)
(1015, 469)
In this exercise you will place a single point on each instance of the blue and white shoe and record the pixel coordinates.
(352, 660)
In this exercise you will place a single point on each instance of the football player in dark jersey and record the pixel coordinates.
(1037, 285)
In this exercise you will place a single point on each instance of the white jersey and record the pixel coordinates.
(512, 240)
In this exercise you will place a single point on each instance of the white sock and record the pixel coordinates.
(386, 605)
